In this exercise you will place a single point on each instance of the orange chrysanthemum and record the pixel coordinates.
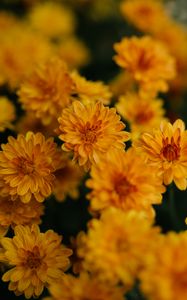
(7, 113)
(90, 131)
(166, 148)
(164, 276)
(47, 95)
(119, 181)
(26, 167)
(84, 287)
(148, 61)
(37, 259)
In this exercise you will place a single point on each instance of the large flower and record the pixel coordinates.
(36, 258)
(26, 167)
(90, 131)
(116, 245)
(47, 90)
(7, 113)
(148, 61)
(164, 275)
(166, 148)
(124, 180)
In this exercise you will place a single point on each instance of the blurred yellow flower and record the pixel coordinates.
(84, 287)
(90, 131)
(26, 167)
(148, 61)
(123, 180)
(47, 90)
(116, 245)
(37, 259)
(164, 275)
(166, 148)
(7, 113)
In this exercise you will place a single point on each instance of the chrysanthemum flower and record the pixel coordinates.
(142, 114)
(166, 148)
(164, 275)
(89, 91)
(47, 90)
(68, 176)
(37, 259)
(26, 167)
(84, 287)
(146, 15)
(7, 113)
(124, 180)
(15, 212)
(148, 61)
(90, 131)
(116, 245)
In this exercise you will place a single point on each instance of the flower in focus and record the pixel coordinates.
(7, 113)
(84, 287)
(142, 114)
(89, 91)
(164, 275)
(166, 148)
(37, 259)
(148, 61)
(116, 245)
(47, 90)
(26, 167)
(90, 131)
(119, 181)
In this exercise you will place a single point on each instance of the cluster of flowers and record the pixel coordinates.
(122, 245)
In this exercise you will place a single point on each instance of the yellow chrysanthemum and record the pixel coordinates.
(37, 259)
(67, 177)
(90, 131)
(7, 113)
(164, 276)
(146, 15)
(89, 91)
(119, 181)
(84, 287)
(52, 19)
(166, 148)
(26, 167)
(47, 90)
(116, 245)
(141, 113)
(148, 61)
(15, 212)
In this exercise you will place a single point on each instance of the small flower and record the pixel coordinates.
(37, 259)
(84, 287)
(7, 113)
(90, 131)
(47, 95)
(26, 167)
(123, 180)
(166, 148)
(148, 61)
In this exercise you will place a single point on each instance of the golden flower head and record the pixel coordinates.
(7, 113)
(119, 181)
(141, 113)
(36, 258)
(84, 287)
(90, 131)
(47, 90)
(166, 148)
(116, 244)
(164, 275)
(89, 91)
(148, 61)
(26, 167)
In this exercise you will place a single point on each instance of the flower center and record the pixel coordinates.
(33, 258)
(24, 166)
(144, 11)
(145, 60)
(170, 151)
(143, 116)
(90, 132)
(123, 187)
